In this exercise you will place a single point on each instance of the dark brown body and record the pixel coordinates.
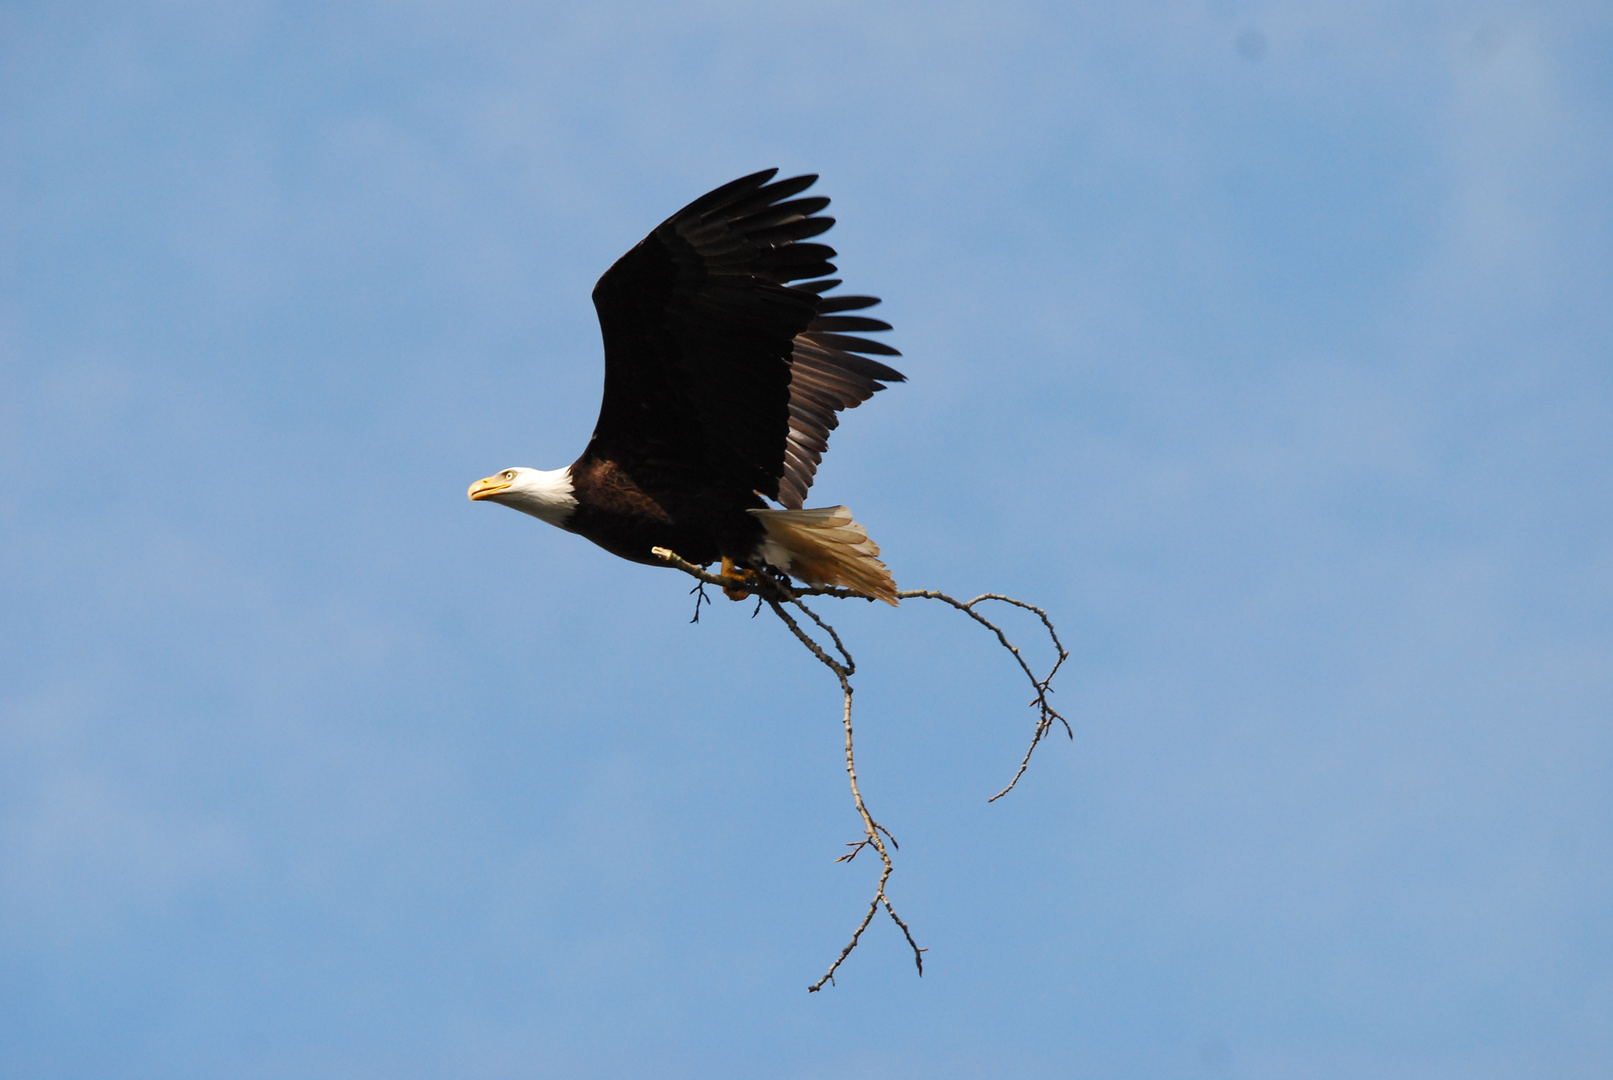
(627, 518)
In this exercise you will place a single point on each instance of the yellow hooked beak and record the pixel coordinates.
(492, 485)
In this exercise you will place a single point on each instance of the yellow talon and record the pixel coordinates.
(730, 571)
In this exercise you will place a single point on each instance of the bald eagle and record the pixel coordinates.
(726, 365)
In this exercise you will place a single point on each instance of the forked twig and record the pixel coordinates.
(1043, 687)
(777, 593)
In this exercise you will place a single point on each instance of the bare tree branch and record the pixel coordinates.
(778, 592)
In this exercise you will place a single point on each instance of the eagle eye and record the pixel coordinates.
(509, 474)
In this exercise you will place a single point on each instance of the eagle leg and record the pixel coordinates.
(742, 580)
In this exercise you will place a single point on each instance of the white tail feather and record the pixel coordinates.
(825, 547)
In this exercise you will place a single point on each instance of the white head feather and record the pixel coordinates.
(546, 495)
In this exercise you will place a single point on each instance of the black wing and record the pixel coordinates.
(717, 368)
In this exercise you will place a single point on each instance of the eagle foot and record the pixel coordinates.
(742, 579)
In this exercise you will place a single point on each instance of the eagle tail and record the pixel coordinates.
(825, 547)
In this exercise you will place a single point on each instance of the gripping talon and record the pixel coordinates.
(742, 580)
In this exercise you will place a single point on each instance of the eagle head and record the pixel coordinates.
(546, 495)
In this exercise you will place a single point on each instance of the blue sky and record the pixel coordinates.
(1265, 344)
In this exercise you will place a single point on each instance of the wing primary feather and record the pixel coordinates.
(851, 344)
(791, 231)
(783, 212)
(828, 305)
(750, 202)
(732, 190)
(847, 322)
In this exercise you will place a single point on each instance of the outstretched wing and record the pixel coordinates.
(718, 371)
